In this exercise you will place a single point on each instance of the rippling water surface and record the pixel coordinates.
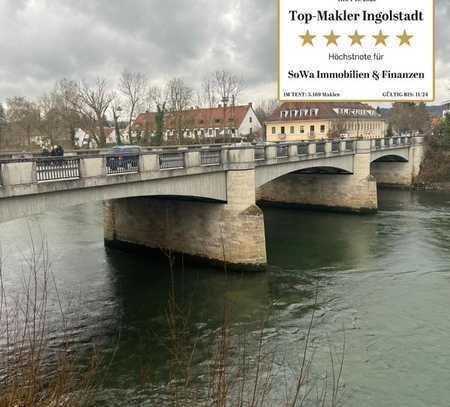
(383, 282)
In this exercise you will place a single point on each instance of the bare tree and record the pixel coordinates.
(265, 108)
(179, 99)
(208, 93)
(3, 124)
(92, 102)
(221, 86)
(65, 91)
(158, 98)
(133, 86)
(227, 86)
(23, 117)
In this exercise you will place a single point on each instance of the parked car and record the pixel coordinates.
(123, 158)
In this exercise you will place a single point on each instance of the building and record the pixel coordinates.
(202, 124)
(296, 121)
(84, 140)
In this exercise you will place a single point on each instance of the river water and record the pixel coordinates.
(382, 283)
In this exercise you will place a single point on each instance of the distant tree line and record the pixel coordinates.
(54, 117)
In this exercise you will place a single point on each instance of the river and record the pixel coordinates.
(382, 283)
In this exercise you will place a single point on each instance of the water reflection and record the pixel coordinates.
(385, 277)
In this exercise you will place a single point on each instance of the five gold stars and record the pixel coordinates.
(356, 38)
(308, 38)
(405, 38)
(380, 38)
(332, 38)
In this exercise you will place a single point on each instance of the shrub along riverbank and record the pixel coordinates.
(435, 169)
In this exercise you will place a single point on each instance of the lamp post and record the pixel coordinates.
(116, 111)
(225, 101)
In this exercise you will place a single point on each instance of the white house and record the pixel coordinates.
(235, 122)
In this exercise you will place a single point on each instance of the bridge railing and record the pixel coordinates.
(57, 169)
(211, 157)
(302, 149)
(172, 160)
(350, 145)
(122, 164)
(260, 153)
(335, 146)
(320, 147)
(22, 171)
(282, 150)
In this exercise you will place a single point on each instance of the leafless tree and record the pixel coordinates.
(23, 117)
(179, 99)
(92, 102)
(228, 85)
(208, 93)
(133, 86)
(221, 86)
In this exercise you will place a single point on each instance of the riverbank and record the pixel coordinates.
(435, 170)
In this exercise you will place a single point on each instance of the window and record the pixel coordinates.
(302, 129)
(292, 129)
(274, 130)
(322, 128)
(283, 130)
(210, 132)
(217, 120)
(251, 130)
(251, 119)
(312, 129)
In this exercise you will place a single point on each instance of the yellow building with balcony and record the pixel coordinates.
(298, 121)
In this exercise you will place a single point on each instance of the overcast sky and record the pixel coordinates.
(45, 40)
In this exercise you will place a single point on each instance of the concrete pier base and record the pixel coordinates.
(230, 234)
(329, 192)
(205, 232)
(351, 192)
(393, 174)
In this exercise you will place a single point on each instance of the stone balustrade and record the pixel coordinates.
(176, 161)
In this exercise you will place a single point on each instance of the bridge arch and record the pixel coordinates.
(332, 165)
(205, 187)
(400, 155)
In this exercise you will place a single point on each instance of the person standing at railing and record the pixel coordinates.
(57, 151)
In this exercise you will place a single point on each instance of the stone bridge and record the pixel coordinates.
(202, 201)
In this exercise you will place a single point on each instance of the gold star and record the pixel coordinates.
(332, 38)
(405, 38)
(308, 38)
(356, 38)
(381, 38)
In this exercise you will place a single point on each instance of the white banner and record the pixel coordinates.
(372, 50)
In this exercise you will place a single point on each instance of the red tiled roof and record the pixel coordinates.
(322, 110)
(198, 118)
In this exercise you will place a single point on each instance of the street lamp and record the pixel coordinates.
(225, 101)
(117, 110)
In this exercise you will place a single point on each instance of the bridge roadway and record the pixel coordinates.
(219, 187)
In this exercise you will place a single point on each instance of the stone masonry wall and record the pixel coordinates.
(392, 173)
(233, 232)
(353, 192)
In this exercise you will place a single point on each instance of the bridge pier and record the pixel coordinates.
(356, 192)
(230, 234)
(400, 174)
